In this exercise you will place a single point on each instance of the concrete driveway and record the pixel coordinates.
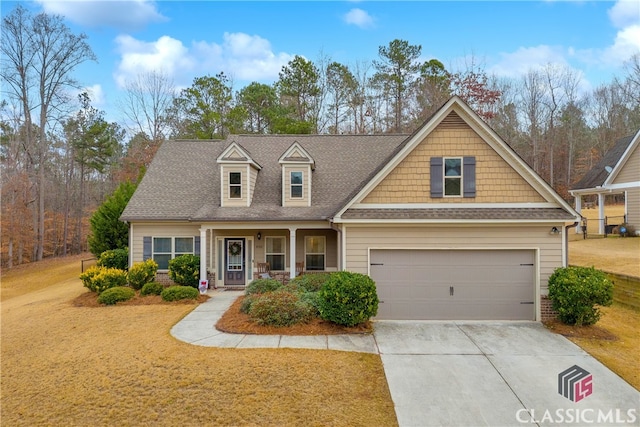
(495, 374)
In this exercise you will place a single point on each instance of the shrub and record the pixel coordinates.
(245, 305)
(629, 230)
(152, 288)
(107, 231)
(348, 298)
(185, 270)
(117, 294)
(88, 275)
(99, 279)
(310, 282)
(114, 258)
(142, 273)
(175, 293)
(279, 308)
(261, 286)
(576, 291)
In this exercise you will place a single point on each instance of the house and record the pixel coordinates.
(448, 221)
(618, 172)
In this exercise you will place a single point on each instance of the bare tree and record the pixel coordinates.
(39, 54)
(146, 101)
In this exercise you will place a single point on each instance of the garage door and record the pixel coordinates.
(454, 284)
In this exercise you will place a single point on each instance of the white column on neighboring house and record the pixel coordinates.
(292, 252)
(203, 253)
(579, 210)
(600, 213)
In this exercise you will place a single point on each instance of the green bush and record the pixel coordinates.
(152, 288)
(117, 294)
(99, 279)
(261, 286)
(142, 273)
(185, 270)
(279, 308)
(348, 298)
(245, 305)
(175, 293)
(575, 293)
(310, 282)
(115, 258)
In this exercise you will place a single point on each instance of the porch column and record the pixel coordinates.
(292, 252)
(579, 210)
(203, 253)
(600, 213)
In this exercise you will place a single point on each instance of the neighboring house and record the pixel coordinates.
(618, 172)
(448, 221)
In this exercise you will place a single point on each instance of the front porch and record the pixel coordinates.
(231, 256)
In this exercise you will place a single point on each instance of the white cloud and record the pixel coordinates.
(359, 18)
(626, 44)
(96, 94)
(125, 15)
(625, 13)
(518, 63)
(240, 56)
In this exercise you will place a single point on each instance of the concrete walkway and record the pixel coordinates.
(198, 328)
(457, 373)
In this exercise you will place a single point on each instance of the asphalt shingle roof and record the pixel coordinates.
(183, 181)
(597, 175)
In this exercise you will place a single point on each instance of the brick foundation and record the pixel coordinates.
(546, 312)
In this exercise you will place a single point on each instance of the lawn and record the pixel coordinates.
(67, 365)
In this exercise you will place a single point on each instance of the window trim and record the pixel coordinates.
(292, 185)
(284, 253)
(172, 252)
(460, 177)
(324, 253)
(231, 196)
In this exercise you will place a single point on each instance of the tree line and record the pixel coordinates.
(61, 157)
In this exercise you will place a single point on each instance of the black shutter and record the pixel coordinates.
(196, 245)
(436, 174)
(146, 248)
(469, 176)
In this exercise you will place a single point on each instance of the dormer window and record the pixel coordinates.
(235, 185)
(296, 185)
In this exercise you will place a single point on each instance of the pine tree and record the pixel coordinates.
(107, 231)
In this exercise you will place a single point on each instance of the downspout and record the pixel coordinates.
(566, 242)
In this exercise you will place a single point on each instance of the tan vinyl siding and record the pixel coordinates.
(633, 207)
(496, 180)
(631, 170)
(158, 230)
(253, 177)
(361, 238)
(306, 185)
(227, 201)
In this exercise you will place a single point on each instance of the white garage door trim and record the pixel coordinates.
(536, 260)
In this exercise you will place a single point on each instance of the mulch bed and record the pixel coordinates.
(586, 332)
(236, 322)
(90, 299)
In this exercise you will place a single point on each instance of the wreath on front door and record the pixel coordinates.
(235, 249)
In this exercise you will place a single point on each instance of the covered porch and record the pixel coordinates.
(234, 254)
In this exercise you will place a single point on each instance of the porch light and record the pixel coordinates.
(259, 236)
(554, 230)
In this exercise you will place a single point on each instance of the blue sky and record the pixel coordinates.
(251, 41)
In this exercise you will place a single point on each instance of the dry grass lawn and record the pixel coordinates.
(614, 254)
(614, 340)
(118, 365)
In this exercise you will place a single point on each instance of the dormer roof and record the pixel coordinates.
(296, 154)
(236, 153)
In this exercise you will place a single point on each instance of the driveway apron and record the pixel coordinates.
(494, 374)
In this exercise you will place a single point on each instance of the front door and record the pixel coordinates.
(234, 262)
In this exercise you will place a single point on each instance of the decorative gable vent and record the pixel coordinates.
(297, 165)
(453, 121)
(238, 175)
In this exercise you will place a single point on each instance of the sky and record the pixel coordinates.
(252, 41)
